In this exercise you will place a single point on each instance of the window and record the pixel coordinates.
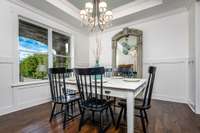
(61, 50)
(34, 51)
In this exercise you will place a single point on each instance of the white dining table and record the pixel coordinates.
(122, 89)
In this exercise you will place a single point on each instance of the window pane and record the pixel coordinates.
(33, 67)
(61, 44)
(61, 61)
(33, 52)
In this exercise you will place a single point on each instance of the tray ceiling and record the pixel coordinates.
(124, 11)
(111, 3)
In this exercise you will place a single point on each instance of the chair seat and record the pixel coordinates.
(95, 104)
(69, 99)
(70, 92)
(138, 104)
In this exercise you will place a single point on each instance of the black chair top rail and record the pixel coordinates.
(90, 71)
(69, 70)
(60, 70)
(57, 70)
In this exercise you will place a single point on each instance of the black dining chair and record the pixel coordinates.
(90, 86)
(142, 105)
(60, 94)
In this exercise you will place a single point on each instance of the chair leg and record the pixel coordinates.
(114, 103)
(146, 117)
(66, 111)
(79, 106)
(82, 119)
(107, 116)
(100, 122)
(112, 116)
(142, 121)
(72, 108)
(125, 111)
(119, 118)
(93, 116)
(52, 112)
(61, 108)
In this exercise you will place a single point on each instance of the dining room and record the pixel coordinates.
(100, 66)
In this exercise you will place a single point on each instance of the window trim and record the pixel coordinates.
(50, 44)
(60, 55)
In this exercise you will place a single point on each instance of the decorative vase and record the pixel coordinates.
(98, 77)
(97, 63)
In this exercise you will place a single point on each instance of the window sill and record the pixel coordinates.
(19, 84)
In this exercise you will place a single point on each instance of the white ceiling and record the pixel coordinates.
(124, 12)
(111, 3)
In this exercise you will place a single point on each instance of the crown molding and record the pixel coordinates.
(119, 12)
(189, 4)
(45, 15)
(169, 13)
(66, 7)
(138, 5)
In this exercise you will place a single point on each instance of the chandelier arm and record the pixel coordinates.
(99, 25)
(101, 28)
(95, 12)
(98, 17)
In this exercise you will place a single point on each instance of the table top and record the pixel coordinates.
(115, 83)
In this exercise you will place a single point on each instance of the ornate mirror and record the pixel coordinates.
(127, 50)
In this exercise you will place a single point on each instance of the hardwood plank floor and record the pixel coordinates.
(164, 117)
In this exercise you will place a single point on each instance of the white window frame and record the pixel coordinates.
(57, 55)
(50, 45)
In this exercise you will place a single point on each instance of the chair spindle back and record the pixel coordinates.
(89, 82)
(57, 83)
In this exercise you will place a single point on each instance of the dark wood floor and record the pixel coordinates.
(165, 117)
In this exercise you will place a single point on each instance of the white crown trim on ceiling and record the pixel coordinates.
(67, 7)
(124, 10)
(134, 7)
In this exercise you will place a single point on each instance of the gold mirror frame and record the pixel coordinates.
(126, 32)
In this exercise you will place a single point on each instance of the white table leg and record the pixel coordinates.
(130, 112)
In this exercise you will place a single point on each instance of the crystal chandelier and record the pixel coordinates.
(95, 15)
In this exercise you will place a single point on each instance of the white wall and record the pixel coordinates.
(166, 40)
(12, 96)
(194, 60)
(191, 59)
(197, 60)
(82, 50)
(167, 45)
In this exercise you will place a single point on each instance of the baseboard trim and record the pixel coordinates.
(177, 100)
(171, 99)
(11, 109)
(197, 111)
(191, 107)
